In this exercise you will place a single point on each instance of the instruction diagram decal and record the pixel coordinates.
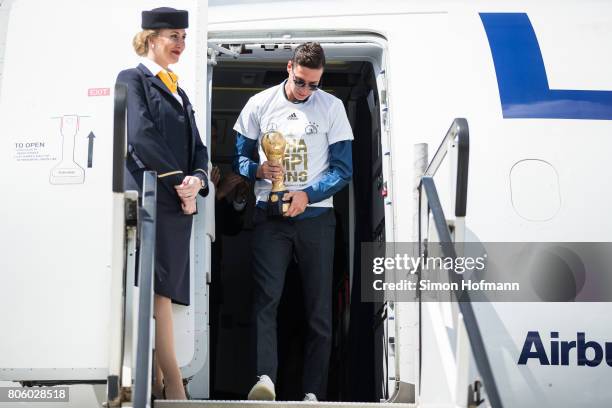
(67, 171)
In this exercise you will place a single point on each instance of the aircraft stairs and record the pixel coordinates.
(131, 344)
(130, 364)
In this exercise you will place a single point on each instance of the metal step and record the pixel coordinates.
(274, 404)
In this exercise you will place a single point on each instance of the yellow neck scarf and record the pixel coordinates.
(170, 79)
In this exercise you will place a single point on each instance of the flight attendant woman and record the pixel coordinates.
(162, 136)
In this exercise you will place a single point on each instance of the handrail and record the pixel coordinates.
(144, 347)
(459, 134)
(116, 329)
(119, 132)
(463, 298)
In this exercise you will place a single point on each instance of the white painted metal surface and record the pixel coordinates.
(57, 80)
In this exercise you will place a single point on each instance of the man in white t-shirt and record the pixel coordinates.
(317, 164)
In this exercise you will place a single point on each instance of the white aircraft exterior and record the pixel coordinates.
(531, 79)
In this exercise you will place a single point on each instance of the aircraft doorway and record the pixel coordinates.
(354, 374)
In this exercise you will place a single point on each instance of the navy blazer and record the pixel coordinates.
(162, 136)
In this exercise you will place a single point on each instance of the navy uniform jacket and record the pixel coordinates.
(162, 136)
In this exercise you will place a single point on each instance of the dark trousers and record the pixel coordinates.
(311, 242)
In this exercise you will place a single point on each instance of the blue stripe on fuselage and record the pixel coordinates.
(521, 76)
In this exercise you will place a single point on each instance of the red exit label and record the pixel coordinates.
(98, 92)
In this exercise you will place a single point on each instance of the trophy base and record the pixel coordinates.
(276, 206)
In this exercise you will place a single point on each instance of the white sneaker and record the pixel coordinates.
(263, 390)
(310, 397)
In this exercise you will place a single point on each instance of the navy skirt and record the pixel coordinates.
(173, 234)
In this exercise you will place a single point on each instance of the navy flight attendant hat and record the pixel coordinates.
(164, 17)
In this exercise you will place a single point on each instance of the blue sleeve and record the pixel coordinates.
(243, 162)
(337, 176)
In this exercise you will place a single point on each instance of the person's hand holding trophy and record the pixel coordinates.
(273, 144)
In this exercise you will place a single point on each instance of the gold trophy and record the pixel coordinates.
(273, 144)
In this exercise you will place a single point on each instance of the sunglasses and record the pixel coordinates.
(300, 83)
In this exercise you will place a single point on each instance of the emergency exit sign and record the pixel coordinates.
(98, 92)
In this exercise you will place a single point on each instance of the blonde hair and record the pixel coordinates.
(141, 42)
